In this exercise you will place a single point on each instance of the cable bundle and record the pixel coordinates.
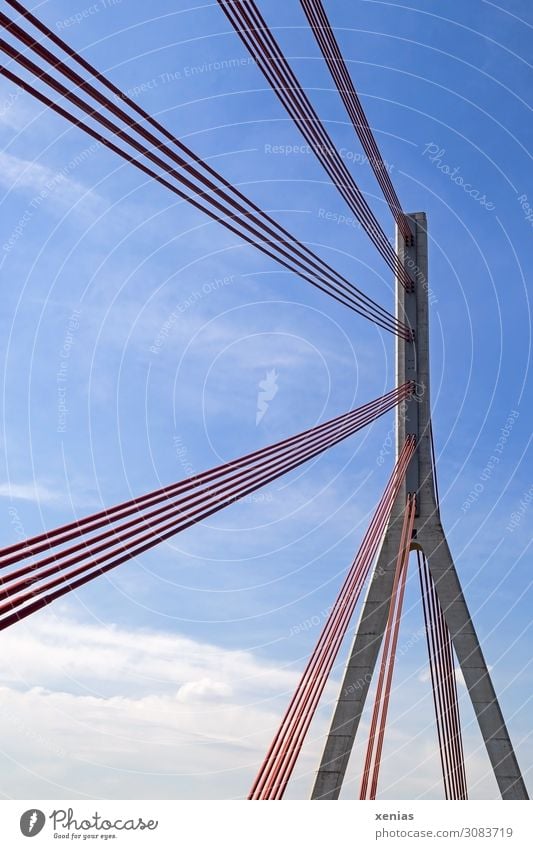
(327, 42)
(444, 687)
(374, 750)
(54, 563)
(28, 588)
(443, 681)
(253, 30)
(177, 167)
(279, 762)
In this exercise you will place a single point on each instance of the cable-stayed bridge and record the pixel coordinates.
(42, 569)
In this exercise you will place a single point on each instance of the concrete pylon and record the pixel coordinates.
(412, 363)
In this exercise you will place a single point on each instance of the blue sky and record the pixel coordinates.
(161, 328)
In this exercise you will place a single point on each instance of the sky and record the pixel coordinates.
(136, 334)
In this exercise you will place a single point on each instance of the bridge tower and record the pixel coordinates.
(414, 417)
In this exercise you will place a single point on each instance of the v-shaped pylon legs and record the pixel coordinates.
(365, 650)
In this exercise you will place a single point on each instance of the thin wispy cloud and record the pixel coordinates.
(157, 715)
(19, 174)
(38, 493)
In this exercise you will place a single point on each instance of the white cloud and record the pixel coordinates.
(204, 688)
(88, 710)
(33, 491)
(80, 496)
(42, 181)
(88, 707)
(16, 110)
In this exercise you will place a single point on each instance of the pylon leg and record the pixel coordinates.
(361, 663)
(500, 750)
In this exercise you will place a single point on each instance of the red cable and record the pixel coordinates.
(431, 649)
(275, 771)
(395, 631)
(165, 531)
(325, 36)
(251, 27)
(279, 771)
(383, 665)
(445, 689)
(36, 544)
(451, 694)
(333, 162)
(383, 317)
(438, 660)
(254, 32)
(176, 509)
(439, 695)
(71, 75)
(446, 679)
(173, 508)
(379, 715)
(294, 718)
(252, 24)
(134, 106)
(346, 589)
(322, 658)
(352, 299)
(310, 711)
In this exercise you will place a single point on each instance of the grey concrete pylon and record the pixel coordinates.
(412, 363)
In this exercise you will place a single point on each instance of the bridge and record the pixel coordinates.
(39, 570)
